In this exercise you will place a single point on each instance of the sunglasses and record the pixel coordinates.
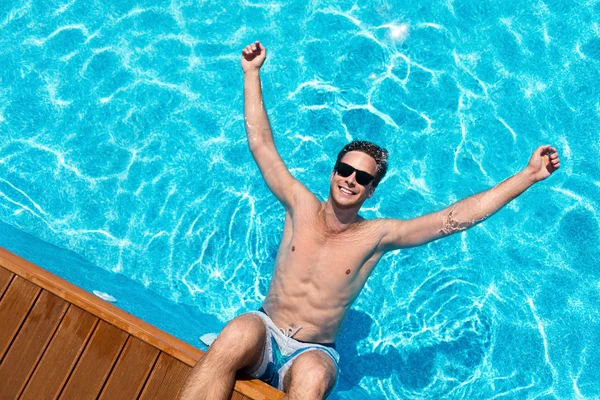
(362, 178)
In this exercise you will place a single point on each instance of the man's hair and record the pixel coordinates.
(379, 154)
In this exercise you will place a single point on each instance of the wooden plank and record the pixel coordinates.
(256, 389)
(129, 375)
(29, 345)
(100, 308)
(5, 278)
(95, 363)
(61, 355)
(166, 379)
(238, 396)
(14, 307)
(182, 351)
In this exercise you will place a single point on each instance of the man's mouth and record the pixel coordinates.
(346, 191)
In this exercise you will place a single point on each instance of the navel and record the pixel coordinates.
(293, 248)
(347, 272)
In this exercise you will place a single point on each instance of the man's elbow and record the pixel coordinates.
(259, 144)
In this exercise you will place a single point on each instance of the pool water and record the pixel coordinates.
(122, 140)
(181, 320)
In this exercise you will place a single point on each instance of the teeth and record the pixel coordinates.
(345, 190)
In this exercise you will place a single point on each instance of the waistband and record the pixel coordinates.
(330, 345)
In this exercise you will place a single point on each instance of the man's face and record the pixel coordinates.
(345, 191)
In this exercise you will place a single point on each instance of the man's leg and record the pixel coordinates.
(311, 376)
(239, 345)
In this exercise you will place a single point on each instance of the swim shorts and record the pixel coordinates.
(281, 350)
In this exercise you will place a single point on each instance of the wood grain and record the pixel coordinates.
(166, 379)
(61, 355)
(100, 308)
(120, 319)
(238, 396)
(95, 364)
(14, 307)
(5, 278)
(133, 367)
(30, 343)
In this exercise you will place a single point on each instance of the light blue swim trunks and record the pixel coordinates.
(281, 350)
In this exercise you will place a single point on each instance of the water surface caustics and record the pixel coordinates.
(122, 139)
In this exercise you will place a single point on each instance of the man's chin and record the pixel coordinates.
(346, 205)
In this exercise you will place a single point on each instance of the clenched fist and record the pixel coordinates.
(253, 57)
(543, 162)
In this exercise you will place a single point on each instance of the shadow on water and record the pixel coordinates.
(413, 369)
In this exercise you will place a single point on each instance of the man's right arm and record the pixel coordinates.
(260, 138)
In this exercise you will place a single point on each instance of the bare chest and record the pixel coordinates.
(312, 255)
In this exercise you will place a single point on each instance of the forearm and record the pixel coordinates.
(258, 129)
(472, 210)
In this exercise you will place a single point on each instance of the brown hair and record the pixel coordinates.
(379, 154)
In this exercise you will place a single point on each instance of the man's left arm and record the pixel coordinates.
(472, 210)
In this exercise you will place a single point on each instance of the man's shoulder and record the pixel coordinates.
(372, 221)
(371, 224)
(382, 226)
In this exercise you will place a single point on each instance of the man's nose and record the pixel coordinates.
(351, 180)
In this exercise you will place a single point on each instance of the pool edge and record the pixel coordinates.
(122, 320)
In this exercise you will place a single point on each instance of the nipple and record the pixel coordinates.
(347, 272)
(293, 248)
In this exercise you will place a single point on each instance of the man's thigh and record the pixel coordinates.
(242, 340)
(311, 371)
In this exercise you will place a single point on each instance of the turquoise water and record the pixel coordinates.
(122, 140)
(181, 320)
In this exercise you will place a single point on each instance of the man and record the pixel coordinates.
(326, 254)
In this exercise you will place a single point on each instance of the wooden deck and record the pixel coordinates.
(58, 341)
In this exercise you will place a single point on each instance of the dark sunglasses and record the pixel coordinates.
(362, 178)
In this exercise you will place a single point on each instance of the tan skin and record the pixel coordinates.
(328, 251)
(334, 251)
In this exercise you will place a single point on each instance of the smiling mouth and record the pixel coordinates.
(346, 191)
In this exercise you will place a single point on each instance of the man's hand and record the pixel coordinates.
(253, 57)
(543, 162)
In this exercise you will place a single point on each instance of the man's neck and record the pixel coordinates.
(338, 219)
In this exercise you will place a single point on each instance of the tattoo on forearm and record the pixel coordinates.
(452, 224)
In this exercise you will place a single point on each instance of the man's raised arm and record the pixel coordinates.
(260, 138)
(472, 210)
